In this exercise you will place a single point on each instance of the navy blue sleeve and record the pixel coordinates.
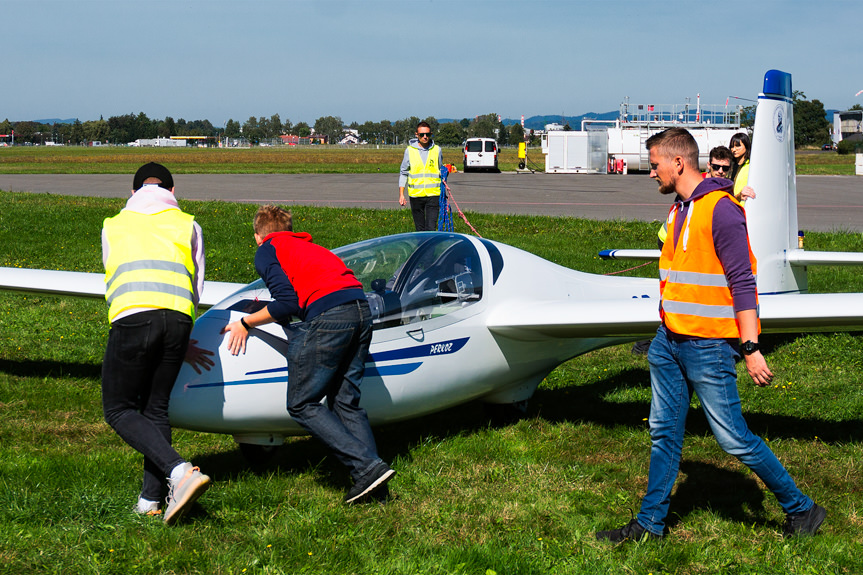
(285, 302)
(731, 241)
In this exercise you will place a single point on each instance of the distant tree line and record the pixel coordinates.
(811, 127)
(130, 127)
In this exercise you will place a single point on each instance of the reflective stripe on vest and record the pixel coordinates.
(150, 262)
(424, 179)
(696, 298)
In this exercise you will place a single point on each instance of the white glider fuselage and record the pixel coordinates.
(443, 352)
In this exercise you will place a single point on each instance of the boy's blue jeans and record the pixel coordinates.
(705, 366)
(326, 358)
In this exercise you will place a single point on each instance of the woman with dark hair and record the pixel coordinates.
(740, 146)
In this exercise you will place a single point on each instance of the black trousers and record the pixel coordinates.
(425, 211)
(142, 359)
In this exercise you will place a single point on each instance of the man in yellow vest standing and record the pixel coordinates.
(421, 174)
(154, 274)
(709, 312)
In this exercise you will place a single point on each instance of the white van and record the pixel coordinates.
(480, 154)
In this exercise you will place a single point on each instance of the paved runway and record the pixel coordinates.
(825, 203)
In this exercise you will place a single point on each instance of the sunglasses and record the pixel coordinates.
(717, 167)
(424, 134)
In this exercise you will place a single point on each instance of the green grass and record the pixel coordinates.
(470, 497)
(275, 160)
(825, 164)
(285, 160)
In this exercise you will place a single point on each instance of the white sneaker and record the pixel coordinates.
(148, 508)
(183, 493)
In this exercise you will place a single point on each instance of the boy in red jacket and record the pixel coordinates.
(326, 350)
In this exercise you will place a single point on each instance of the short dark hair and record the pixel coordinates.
(675, 142)
(721, 153)
(423, 124)
(270, 219)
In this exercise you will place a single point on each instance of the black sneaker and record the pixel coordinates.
(632, 531)
(806, 522)
(371, 482)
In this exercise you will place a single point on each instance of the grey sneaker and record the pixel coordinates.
(182, 494)
(806, 522)
(373, 481)
(632, 531)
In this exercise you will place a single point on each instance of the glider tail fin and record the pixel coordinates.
(772, 216)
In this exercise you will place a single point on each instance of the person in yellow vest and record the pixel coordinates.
(740, 146)
(154, 273)
(709, 312)
(420, 173)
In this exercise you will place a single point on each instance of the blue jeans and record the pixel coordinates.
(705, 366)
(142, 359)
(327, 358)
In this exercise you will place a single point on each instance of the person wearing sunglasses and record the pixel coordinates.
(421, 174)
(720, 163)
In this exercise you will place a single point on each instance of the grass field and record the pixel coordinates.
(285, 160)
(471, 496)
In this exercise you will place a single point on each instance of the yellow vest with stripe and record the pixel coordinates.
(741, 179)
(424, 179)
(150, 262)
(695, 297)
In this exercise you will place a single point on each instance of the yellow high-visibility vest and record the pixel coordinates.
(424, 179)
(150, 262)
(741, 180)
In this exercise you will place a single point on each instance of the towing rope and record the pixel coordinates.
(460, 213)
(629, 269)
(444, 220)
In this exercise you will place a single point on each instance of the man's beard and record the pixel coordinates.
(666, 189)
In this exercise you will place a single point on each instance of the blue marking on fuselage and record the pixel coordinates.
(373, 370)
(401, 369)
(274, 370)
(244, 382)
(427, 350)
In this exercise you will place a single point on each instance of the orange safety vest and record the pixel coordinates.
(695, 296)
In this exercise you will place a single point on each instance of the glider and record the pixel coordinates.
(459, 318)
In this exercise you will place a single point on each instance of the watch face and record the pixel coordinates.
(748, 347)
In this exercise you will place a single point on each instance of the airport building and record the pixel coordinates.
(848, 124)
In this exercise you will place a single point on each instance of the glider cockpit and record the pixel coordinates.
(408, 278)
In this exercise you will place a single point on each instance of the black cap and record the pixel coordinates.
(153, 170)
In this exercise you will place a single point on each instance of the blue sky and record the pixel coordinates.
(390, 59)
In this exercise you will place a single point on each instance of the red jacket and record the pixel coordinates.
(303, 278)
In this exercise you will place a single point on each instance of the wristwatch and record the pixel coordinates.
(749, 347)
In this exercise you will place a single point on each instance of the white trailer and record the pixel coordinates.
(159, 143)
(621, 147)
(628, 143)
(618, 146)
(575, 152)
